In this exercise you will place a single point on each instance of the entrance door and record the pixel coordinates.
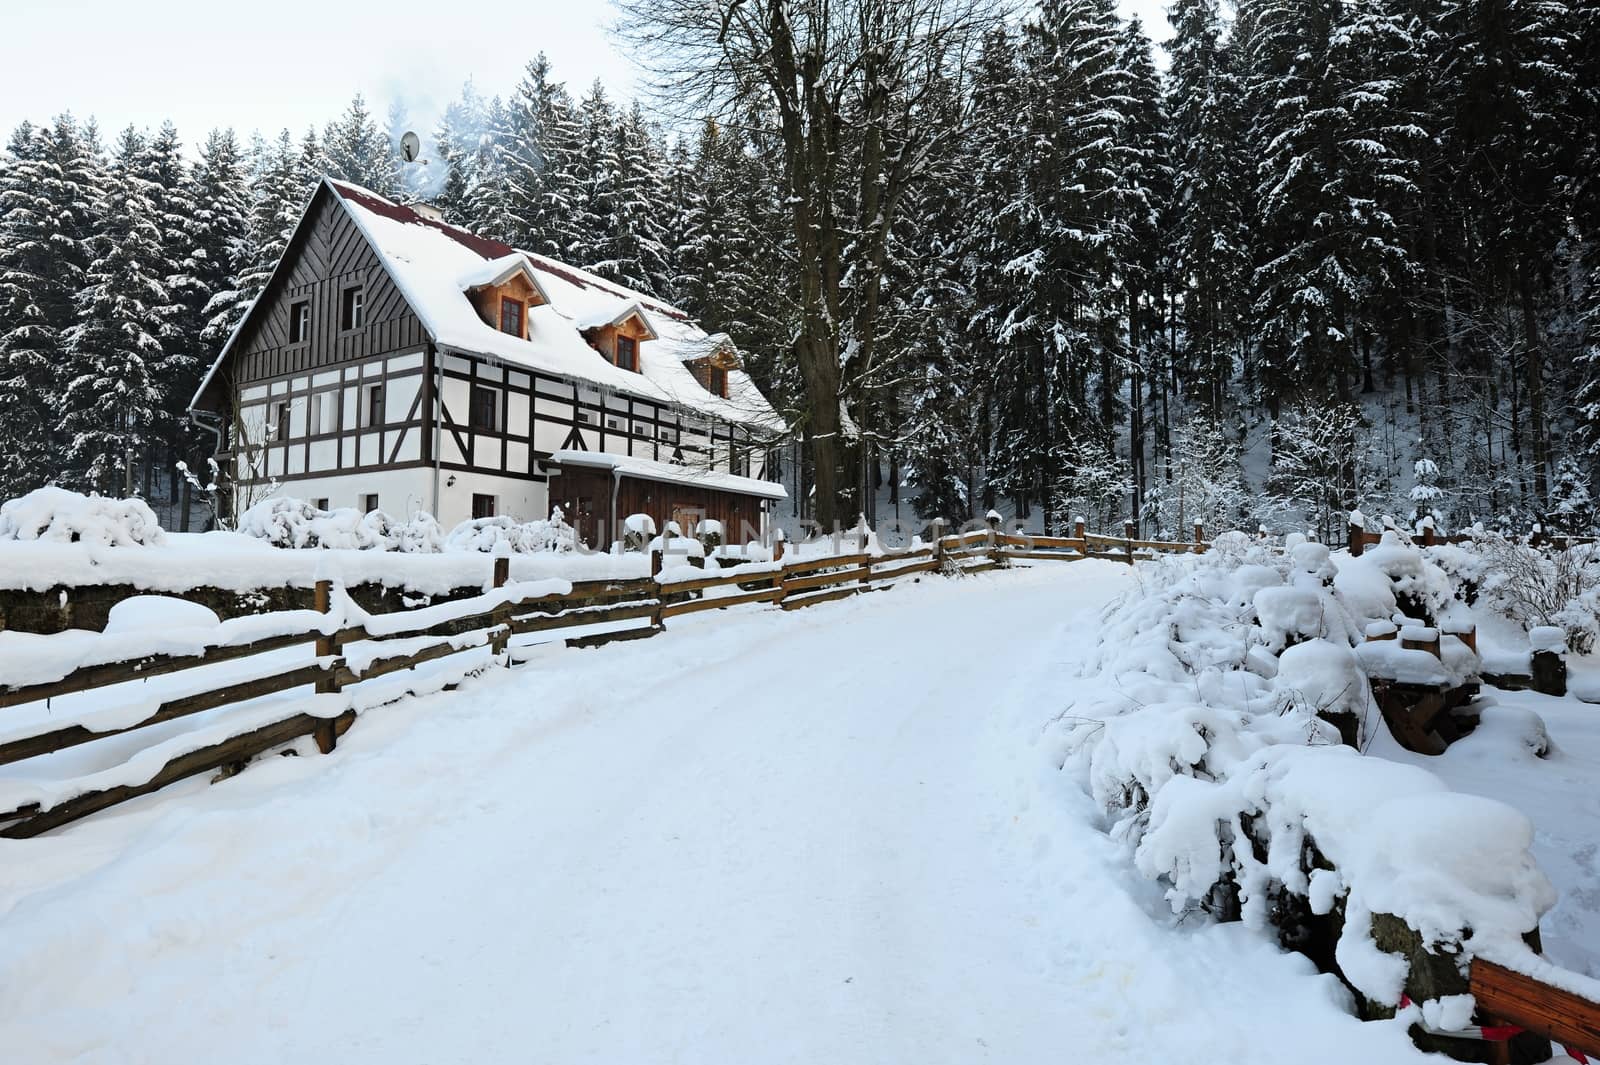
(687, 517)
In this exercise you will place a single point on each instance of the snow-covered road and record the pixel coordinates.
(826, 836)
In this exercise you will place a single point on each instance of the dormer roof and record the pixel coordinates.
(492, 273)
(599, 318)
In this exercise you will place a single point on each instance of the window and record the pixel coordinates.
(280, 420)
(484, 409)
(321, 503)
(719, 382)
(510, 316)
(299, 321)
(324, 412)
(482, 506)
(628, 353)
(736, 462)
(352, 309)
(369, 502)
(374, 405)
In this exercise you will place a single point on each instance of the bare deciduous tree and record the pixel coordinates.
(855, 93)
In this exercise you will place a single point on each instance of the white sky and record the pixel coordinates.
(294, 63)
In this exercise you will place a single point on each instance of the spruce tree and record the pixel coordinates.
(49, 192)
(112, 396)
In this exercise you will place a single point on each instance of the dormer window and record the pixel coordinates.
(627, 353)
(511, 312)
(719, 382)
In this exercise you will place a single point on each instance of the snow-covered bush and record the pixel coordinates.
(529, 537)
(637, 529)
(710, 533)
(69, 517)
(1216, 748)
(1533, 585)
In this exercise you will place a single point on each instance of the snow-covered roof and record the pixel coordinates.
(670, 472)
(428, 259)
(434, 264)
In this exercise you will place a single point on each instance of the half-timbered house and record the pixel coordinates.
(397, 362)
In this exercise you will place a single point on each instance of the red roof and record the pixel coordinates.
(485, 247)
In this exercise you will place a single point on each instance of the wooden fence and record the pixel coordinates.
(490, 621)
(1360, 538)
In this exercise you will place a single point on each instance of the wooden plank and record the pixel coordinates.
(702, 583)
(1569, 1019)
(600, 639)
(204, 760)
(1036, 542)
(1058, 556)
(582, 616)
(823, 580)
(380, 667)
(635, 587)
(980, 567)
(902, 571)
(691, 606)
(73, 735)
(811, 565)
(820, 597)
(152, 666)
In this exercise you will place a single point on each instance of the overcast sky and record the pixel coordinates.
(294, 63)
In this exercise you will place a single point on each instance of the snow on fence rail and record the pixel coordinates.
(351, 649)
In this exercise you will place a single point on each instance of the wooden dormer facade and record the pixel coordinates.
(504, 303)
(712, 370)
(619, 340)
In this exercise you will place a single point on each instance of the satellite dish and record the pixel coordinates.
(410, 147)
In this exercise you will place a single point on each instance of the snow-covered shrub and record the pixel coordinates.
(422, 535)
(1215, 745)
(69, 517)
(282, 521)
(529, 537)
(1538, 585)
(710, 533)
(637, 529)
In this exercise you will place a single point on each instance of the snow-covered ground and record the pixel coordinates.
(829, 835)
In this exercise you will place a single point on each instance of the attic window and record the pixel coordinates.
(299, 321)
(511, 316)
(627, 353)
(719, 382)
(353, 309)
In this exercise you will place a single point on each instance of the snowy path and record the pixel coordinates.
(828, 836)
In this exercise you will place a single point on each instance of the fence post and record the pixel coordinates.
(938, 541)
(1199, 537)
(502, 613)
(1127, 536)
(777, 545)
(1358, 540)
(1080, 531)
(1427, 534)
(327, 733)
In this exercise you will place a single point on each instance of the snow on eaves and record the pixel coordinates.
(669, 472)
(433, 264)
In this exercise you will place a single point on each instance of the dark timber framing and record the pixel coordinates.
(328, 255)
